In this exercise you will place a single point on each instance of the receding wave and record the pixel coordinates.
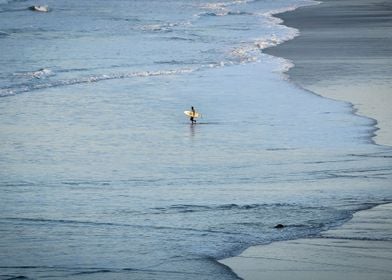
(222, 8)
(276, 20)
(186, 208)
(38, 74)
(93, 272)
(110, 224)
(250, 52)
(22, 88)
(4, 34)
(178, 38)
(86, 271)
(214, 14)
(164, 27)
(223, 13)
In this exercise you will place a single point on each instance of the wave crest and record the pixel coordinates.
(22, 88)
(38, 74)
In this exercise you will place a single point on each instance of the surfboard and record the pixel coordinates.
(191, 114)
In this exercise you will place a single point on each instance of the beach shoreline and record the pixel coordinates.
(359, 249)
(337, 55)
(343, 53)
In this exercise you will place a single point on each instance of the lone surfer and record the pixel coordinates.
(192, 116)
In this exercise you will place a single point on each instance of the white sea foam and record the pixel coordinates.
(274, 40)
(220, 5)
(276, 20)
(251, 51)
(221, 8)
(245, 54)
(41, 73)
(37, 74)
(89, 79)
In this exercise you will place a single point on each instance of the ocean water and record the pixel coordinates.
(102, 176)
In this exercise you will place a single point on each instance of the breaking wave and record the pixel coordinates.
(22, 88)
(38, 74)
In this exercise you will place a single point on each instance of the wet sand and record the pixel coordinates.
(344, 52)
(360, 249)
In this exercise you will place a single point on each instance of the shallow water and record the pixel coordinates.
(102, 176)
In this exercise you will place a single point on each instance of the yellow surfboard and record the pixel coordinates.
(191, 114)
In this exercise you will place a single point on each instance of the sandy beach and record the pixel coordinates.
(343, 52)
(360, 249)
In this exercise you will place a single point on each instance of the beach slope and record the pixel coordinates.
(360, 249)
(344, 52)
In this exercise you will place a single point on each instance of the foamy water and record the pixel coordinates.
(103, 177)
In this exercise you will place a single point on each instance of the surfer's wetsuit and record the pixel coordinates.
(193, 113)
